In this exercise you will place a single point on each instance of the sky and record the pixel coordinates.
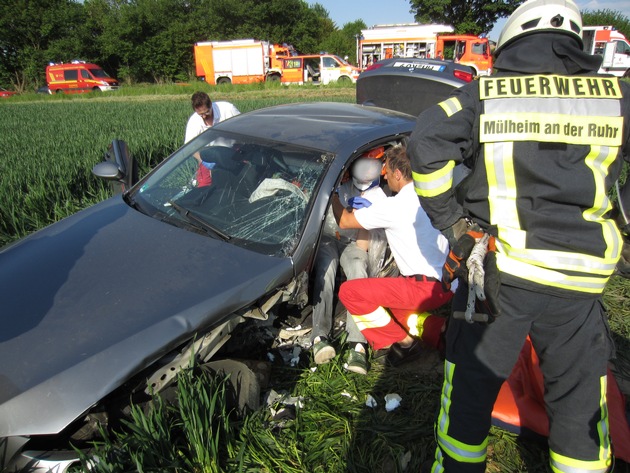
(381, 12)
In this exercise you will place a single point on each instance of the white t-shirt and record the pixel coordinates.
(418, 248)
(346, 191)
(222, 111)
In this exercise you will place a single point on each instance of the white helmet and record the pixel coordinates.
(534, 16)
(365, 171)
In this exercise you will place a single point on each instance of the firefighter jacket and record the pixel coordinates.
(545, 140)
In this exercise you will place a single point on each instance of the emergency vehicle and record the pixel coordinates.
(318, 69)
(245, 61)
(413, 40)
(78, 77)
(612, 45)
(242, 61)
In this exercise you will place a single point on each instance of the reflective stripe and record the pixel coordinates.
(377, 319)
(499, 162)
(435, 183)
(585, 107)
(599, 161)
(547, 277)
(451, 106)
(562, 260)
(455, 449)
(438, 464)
(415, 324)
(602, 425)
(562, 464)
(445, 402)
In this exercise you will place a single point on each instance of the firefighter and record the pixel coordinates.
(545, 139)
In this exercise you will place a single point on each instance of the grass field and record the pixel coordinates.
(48, 145)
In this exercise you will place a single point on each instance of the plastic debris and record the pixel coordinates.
(392, 401)
(370, 401)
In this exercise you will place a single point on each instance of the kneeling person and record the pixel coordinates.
(383, 307)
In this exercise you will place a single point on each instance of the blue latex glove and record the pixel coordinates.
(359, 202)
(209, 165)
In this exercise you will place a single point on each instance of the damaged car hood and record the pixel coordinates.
(108, 291)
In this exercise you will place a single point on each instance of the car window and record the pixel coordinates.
(99, 73)
(85, 74)
(70, 74)
(622, 47)
(253, 193)
(479, 48)
(330, 62)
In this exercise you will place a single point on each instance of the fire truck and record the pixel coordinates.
(612, 45)
(409, 40)
(246, 61)
(242, 61)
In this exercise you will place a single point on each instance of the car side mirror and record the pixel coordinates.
(118, 166)
(108, 171)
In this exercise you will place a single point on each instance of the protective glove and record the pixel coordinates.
(462, 237)
(359, 202)
(473, 259)
(208, 165)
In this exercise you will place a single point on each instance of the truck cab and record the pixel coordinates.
(468, 50)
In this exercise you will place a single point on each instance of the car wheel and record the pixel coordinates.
(224, 80)
(344, 80)
(96, 89)
(59, 91)
(273, 78)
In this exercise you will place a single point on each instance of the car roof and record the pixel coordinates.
(326, 126)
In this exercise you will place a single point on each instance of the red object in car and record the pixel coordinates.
(6, 93)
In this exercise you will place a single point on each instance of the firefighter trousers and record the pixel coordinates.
(572, 339)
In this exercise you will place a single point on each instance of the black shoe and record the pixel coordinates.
(398, 355)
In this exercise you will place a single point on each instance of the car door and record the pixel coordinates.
(292, 71)
(330, 69)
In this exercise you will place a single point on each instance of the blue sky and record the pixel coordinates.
(378, 12)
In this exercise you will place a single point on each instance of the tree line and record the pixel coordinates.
(152, 40)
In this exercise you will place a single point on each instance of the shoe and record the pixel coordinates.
(357, 362)
(398, 355)
(379, 357)
(323, 352)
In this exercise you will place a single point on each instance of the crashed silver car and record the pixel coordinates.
(110, 304)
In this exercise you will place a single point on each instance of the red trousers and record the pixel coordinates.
(402, 296)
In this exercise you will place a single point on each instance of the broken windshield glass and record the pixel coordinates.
(258, 192)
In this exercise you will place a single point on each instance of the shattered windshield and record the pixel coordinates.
(249, 192)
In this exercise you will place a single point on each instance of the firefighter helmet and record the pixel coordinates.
(534, 16)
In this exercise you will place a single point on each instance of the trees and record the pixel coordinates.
(34, 33)
(607, 17)
(143, 40)
(466, 16)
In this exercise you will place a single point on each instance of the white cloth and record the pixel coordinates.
(418, 248)
(196, 125)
